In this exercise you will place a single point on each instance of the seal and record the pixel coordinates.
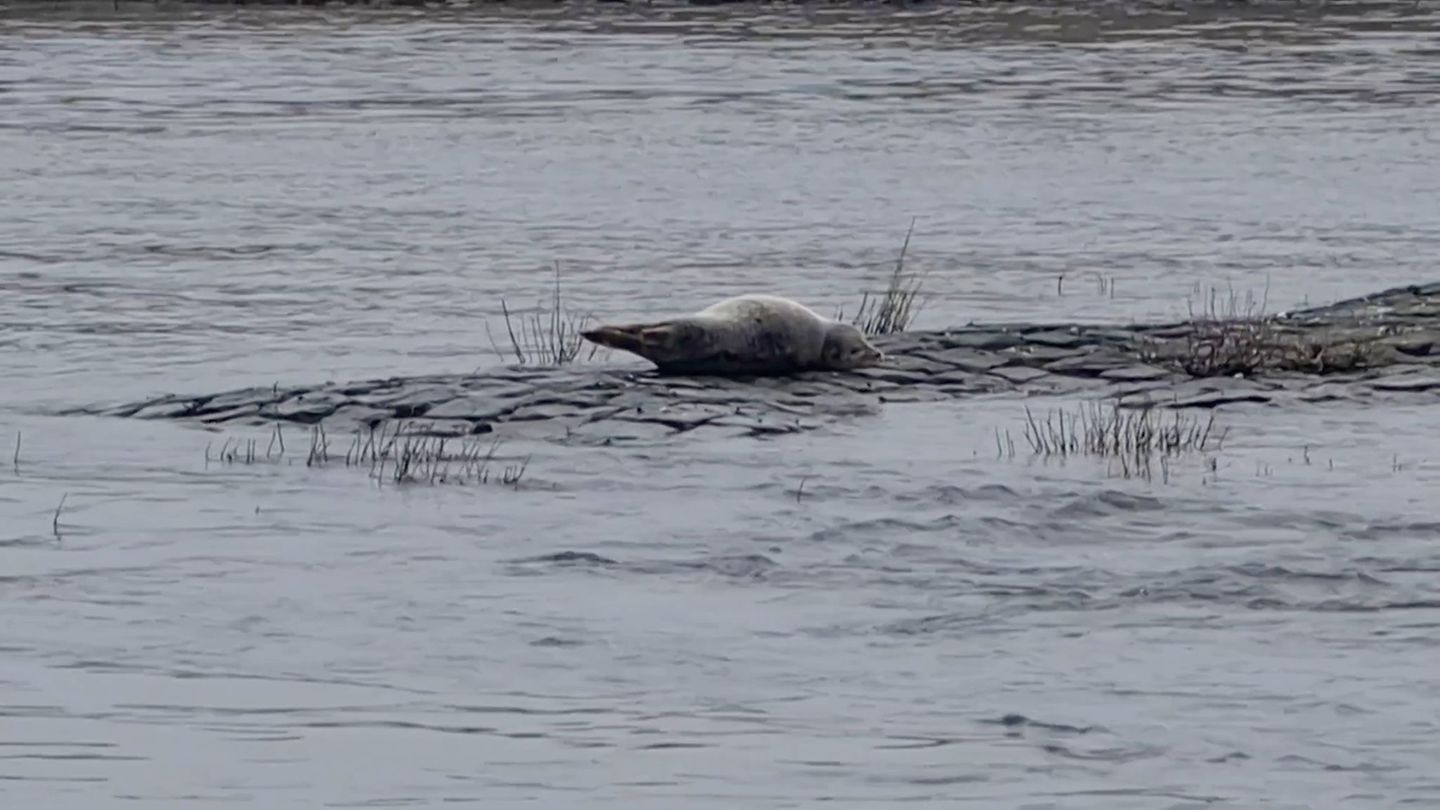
(755, 334)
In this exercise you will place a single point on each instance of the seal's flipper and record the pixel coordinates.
(649, 340)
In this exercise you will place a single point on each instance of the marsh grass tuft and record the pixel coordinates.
(548, 337)
(896, 309)
(428, 459)
(398, 453)
(1134, 438)
(1233, 336)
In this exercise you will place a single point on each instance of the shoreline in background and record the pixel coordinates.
(1224, 24)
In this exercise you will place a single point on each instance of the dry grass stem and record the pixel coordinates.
(396, 453)
(896, 309)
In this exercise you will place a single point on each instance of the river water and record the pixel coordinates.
(201, 198)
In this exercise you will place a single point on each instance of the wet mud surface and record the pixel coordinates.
(1400, 327)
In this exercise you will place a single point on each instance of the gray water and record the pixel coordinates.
(204, 198)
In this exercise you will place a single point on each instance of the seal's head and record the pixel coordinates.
(846, 348)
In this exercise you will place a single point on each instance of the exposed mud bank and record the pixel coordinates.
(1397, 329)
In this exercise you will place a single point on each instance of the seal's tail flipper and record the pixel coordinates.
(645, 339)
